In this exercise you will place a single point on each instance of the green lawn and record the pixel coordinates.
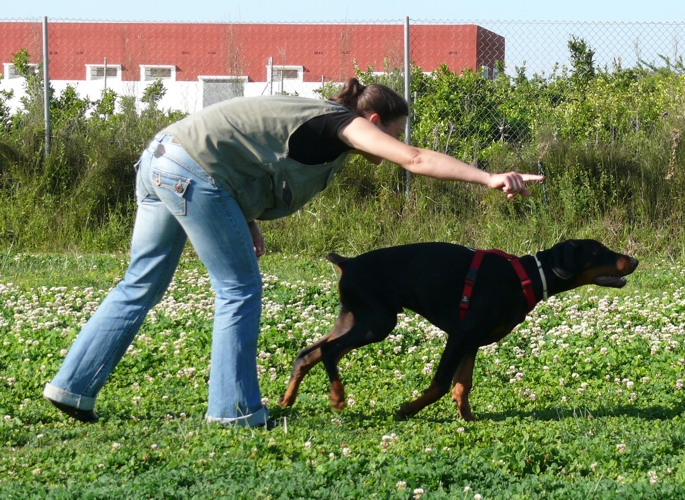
(583, 400)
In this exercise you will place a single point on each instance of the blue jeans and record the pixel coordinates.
(178, 200)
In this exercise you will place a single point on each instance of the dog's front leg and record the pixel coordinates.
(463, 381)
(441, 383)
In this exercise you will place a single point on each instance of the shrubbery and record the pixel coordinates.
(608, 140)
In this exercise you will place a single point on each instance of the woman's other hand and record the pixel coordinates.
(257, 239)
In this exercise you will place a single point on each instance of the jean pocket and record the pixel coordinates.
(171, 189)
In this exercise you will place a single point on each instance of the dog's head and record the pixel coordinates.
(585, 262)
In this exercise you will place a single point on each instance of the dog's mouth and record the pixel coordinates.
(611, 281)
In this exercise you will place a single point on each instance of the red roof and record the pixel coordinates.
(324, 50)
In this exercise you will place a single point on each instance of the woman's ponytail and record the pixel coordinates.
(374, 98)
(349, 95)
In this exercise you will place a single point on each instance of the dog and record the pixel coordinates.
(475, 305)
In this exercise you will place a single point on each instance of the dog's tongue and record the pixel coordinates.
(612, 281)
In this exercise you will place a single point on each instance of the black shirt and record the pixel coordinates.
(316, 141)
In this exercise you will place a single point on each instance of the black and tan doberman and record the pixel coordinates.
(475, 305)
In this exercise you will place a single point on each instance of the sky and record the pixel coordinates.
(271, 11)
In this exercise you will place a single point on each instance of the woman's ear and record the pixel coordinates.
(374, 118)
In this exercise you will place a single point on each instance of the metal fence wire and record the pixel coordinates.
(460, 68)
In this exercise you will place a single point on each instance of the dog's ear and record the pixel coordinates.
(563, 260)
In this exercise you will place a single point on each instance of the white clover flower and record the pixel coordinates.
(477, 496)
(621, 448)
(116, 446)
(461, 430)
(418, 493)
(154, 446)
(401, 485)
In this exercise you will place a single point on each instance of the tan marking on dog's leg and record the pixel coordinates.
(337, 389)
(431, 395)
(463, 381)
(311, 356)
(337, 395)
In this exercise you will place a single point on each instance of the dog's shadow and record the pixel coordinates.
(651, 413)
(380, 417)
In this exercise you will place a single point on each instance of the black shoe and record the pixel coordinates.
(270, 424)
(87, 416)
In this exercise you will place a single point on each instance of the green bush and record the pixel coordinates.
(608, 140)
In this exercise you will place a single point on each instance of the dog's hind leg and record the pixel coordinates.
(363, 332)
(463, 381)
(308, 357)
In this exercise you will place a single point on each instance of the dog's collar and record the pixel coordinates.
(542, 277)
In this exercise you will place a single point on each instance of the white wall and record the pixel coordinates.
(182, 96)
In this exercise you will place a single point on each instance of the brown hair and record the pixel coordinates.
(374, 98)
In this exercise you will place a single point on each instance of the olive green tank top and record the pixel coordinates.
(242, 143)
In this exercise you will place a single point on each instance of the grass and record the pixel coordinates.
(612, 428)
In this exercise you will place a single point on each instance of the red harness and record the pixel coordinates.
(526, 283)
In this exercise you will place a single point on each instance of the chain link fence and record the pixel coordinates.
(533, 80)
(201, 64)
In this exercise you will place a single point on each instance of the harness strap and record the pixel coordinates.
(526, 283)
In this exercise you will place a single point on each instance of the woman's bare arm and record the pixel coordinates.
(367, 139)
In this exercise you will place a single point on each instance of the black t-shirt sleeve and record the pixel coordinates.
(316, 141)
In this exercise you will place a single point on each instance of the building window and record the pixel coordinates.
(220, 88)
(11, 71)
(149, 72)
(282, 73)
(97, 71)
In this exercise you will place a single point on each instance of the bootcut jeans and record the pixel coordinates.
(178, 200)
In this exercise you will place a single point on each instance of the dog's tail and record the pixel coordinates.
(338, 260)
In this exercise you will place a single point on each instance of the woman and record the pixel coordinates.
(208, 178)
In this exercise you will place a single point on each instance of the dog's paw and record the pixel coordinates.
(400, 417)
(286, 402)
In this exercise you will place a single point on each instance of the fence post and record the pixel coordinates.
(407, 97)
(46, 87)
(271, 76)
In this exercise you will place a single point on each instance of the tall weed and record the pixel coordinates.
(608, 141)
